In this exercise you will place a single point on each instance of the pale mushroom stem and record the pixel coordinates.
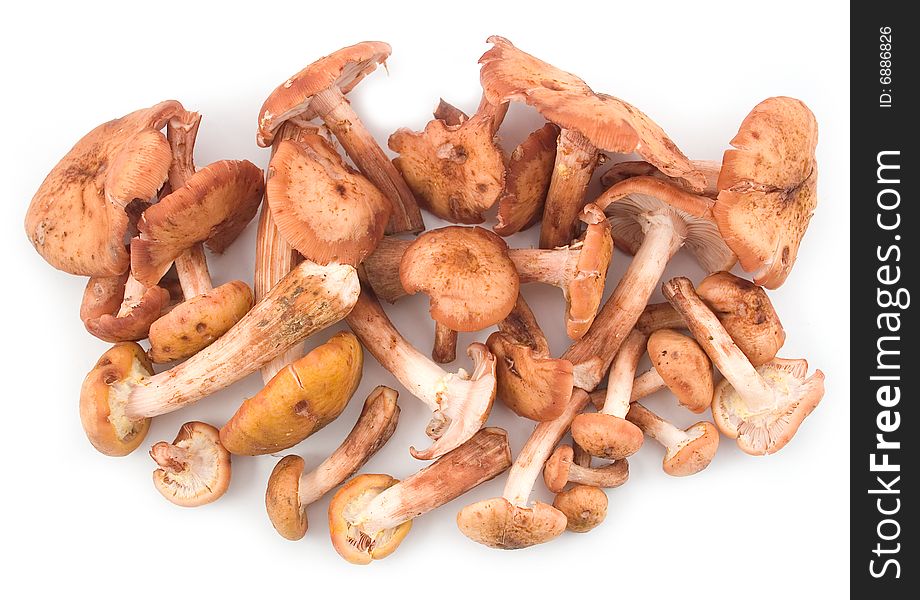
(657, 316)
(335, 110)
(718, 344)
(192, 268)
(445, 344)
(655, 427)
(576, 159)
(170, 457)
(134, 291)
(620, 380)
(605, 477)
(646, 384)
(552, 267)
(539, 446)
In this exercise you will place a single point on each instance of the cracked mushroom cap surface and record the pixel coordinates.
(466, 273)
(606, 436)
(325, 209)
(586, 290)
(497, 523)
(352, 544)
(74, 221)
(282, 498)
(102, 300)
(510, 74)
(768, 188)
(214, 206)
(695, 454)
(584, 507)
(194, 469)
(684, 367)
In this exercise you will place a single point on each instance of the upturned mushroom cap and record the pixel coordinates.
(509, 74)
(194, 469)
(606, 436)
(102, 300)
(466, 273)
(767, 432)
(282, 498)
(768, 188)
(531, 384)
(586, 289)
(300, 400)
(638, 168)
(343, 69)
(73, 220)
(499, 524)
(527, 179)
(584, 507)
(214, 206)
(684, 367)
(695, 454)
(556, 469)
(347, 503)
(104, 395)
(325, 209)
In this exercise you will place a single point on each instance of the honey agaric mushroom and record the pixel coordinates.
(371, 514)
(679, 364)
(561, 469)
(319, 91)
(119, 395)
(585, 506)
(290, 491)
(527, 180)
(607, 434)
(301, 399)
(687, 451)
(508, 522)
(468, 277)
(761, 408)
(530, 382)
(111, 311)
(194, 469)
(460, 402)
(768, 188)
(624, 170)
(589, 121)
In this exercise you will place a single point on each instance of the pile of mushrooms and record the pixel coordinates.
(128, 209)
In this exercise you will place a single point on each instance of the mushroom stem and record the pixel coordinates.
(646, 384)
(579, 456)
(718, 344)
(192, 268)
(659, 316)
(620, 381)
(170, 457)
(576, 159)
(335, 110)
(552, 267)
(134, 291)
(655, 427)
(445, 344)
(609, 476)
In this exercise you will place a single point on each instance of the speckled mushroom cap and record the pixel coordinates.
(499, 524)
(343, 68)
(325, 209)
(684, 367)
(74, 221)
(768, 188)
(194, 469)
(466, 273)
(606, 436)
(584, 507)
(695, 453)
(509, 74)
(348, 502)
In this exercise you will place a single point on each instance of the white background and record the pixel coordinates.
(75, 520)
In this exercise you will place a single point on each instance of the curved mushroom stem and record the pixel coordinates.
(655, 427)
(659, 316)
(445, 344)
(170, 457)
(620, 381)
(576, 159)
(335, 110)
(609, 476)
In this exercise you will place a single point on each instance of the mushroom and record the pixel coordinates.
(527, 180)
(371, 514)
(562, 469)
(290, 490)
(679, 364)
(761, 408)
(300, 400)
(319, 91)
(470, 281)
(687, 451)
(509, 522)
(584, 507)
(194, 469)
(768, 188)
(113, 311)
(624, 170)
(589, 122)
(119, 395)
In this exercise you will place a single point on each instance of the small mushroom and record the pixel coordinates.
(639, 168)
(371, 514)
(527, 180)
(301, 399)
(290, 490)
(679, 364)
(760, 408)
(119, 308)
(562, 469)
(319, 91)
(687, 451)
(194, 469)
(584, 507)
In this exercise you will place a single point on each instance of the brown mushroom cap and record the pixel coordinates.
(194, 469)
(584, 506)
(769, 188)
(343, 69)
(499, 524)
(637, 168)
(348, 502)
(466, 273)
(213, 206)
(556, 469)
(606, 436)
(282, 498)
(695, 454)
(527, 179)
(102, 300)
(586, 289)
(684, 367)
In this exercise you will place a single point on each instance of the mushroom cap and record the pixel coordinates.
(354, 545)
(695, 454)
(509, 74)
(301, 399)
(767, 432)
(325, 209)
(466, 273)
(768, 188)
(527, 179)
(194, 469)
(626, 201)
(102, 300)
(214, 206)
(637, 168)
(104, 395)
(499, 524)
(606, 436)
(586, 289)
(282, 498)
(684, 367)
(195, 323)
(556, 468)
(747, 314)
(72, 221)
(344, 69)
(584, 507)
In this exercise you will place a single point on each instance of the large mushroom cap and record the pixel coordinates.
(73, 221)
(586, 289)
(353, 544)
(343, 69)
(694, 454)
(606, 436)
(282, 498)
(769, 188)
(684, 367)
(584, 507)
(102, 299)
(466, 273)
(527, 179)
(194, 469)
(325, 209)
(213, 206)
(609, 123)
(499, 524)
